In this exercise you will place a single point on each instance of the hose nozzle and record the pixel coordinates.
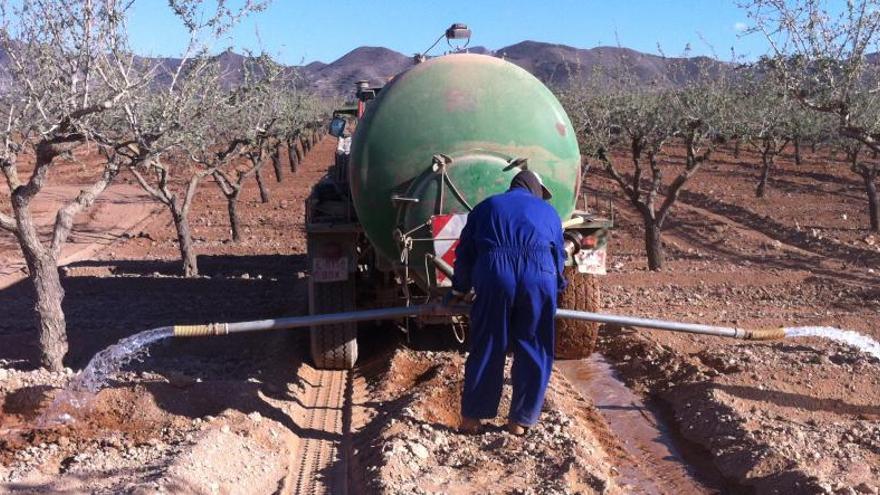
(208, 330)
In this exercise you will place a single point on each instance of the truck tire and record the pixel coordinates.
(576, 339)
(333, 347)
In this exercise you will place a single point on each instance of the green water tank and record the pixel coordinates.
(446, 134)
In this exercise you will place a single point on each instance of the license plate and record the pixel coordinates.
(591, 261)
(330, 269)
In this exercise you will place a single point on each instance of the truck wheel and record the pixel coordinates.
(576, 339)
(333, 346)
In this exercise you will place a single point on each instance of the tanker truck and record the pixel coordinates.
(443, 135)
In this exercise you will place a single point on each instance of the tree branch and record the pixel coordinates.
(676, 186)
(85, 198)
(224, 182)
(152, 191)
(862, 136)
(191, 189)
(10, 171)
(8, 223)
(46, 151)
(621, 181)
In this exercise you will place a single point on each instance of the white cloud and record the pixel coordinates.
(740, 26)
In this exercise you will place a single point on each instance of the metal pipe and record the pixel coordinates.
(306, 321)
(440, 310)
(674, 326)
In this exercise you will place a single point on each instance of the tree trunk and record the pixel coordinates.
(264, 192)
(813, 146)
(43, 274)
(232, 209)
(276, 163)
(873, 200)
(300, 152)
(653, 244)
(736, 148)
(292, 155)
(797, 151)
(53, 326)
(184, 243)
(767, 160)
(304, 142)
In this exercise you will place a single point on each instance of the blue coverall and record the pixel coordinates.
(511, 252)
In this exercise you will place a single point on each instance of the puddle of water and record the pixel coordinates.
(659, 466)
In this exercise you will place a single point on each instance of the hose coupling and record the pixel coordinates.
(765, 334)
(208, 330)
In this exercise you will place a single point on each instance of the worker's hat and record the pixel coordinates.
(547, 193)
(531, 180)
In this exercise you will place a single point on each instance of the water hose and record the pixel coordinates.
(289, 322)
(441, 310)
(674, 326)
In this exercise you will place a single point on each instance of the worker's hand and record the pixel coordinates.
(456, 298)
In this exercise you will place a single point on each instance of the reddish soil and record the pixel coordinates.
(133, 283)
(122, 208)
(797, 416)
(196, 393)
(413, 447)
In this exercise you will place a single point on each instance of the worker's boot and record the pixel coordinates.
(469, 426)
(516, 429)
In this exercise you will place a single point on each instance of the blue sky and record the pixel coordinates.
(297, 31)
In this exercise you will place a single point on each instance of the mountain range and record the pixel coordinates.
(555, 65)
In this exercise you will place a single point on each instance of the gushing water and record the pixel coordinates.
(109, 361)
(862, 342)
(83, 387)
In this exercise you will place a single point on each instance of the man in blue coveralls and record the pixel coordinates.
(511, 254)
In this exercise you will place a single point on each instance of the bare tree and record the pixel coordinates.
(765, 117)
(296, 108)
(69, 66)
(641, 121)
(257, 104)
(180, 115)
(868, 167)
(807, 127)
(822, 57)
(70, 80)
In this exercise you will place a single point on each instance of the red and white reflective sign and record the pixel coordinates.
(446, 230)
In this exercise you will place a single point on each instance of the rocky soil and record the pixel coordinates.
(798, 416)
(236, 415)
(123, 441)
(414, 431)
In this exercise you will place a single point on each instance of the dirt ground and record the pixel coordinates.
(798, 416)
(249, 415)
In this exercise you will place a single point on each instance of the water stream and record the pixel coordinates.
(657, 463)
(82, 388)
(861, 342)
